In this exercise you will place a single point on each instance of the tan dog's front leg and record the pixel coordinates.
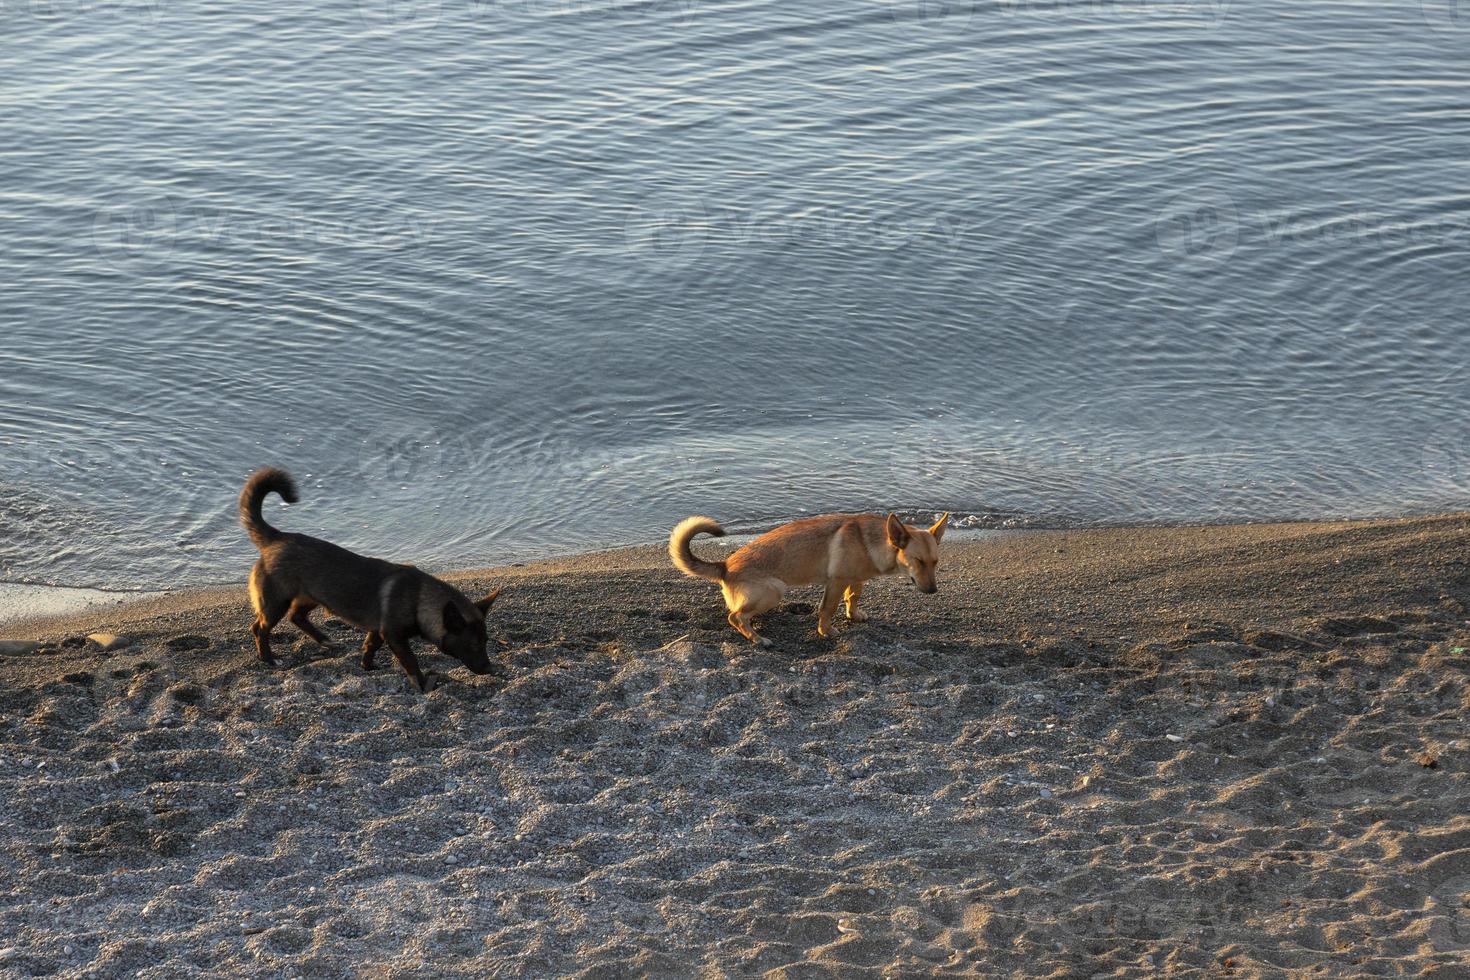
(830, 600)
(854, 592)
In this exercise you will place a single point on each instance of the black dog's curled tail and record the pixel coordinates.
(262, 482)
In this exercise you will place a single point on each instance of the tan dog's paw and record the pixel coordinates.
(858, 616)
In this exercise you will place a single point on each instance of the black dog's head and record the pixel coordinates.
(464, 633)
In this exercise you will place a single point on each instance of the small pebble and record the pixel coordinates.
(1046, 794)
(67, 950)
(1174, 738)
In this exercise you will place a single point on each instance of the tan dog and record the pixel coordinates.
(840, 551)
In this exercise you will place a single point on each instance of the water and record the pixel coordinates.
(499, 280)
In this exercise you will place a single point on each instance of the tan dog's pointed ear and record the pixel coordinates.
(484, 604)
(938, 529)
(898, 535)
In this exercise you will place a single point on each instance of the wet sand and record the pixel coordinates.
(1239, 751)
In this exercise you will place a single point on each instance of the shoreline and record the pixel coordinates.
(1047, 565)
(25, 604)
(33, 602)
(1213, 750)
(37, 607)
(23, 601)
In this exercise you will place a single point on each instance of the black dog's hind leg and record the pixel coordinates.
(300, 617)
(270, 606)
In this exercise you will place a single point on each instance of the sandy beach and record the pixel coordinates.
(1234, 751)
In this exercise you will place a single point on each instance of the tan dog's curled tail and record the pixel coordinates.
(684, 559)
(263, 482)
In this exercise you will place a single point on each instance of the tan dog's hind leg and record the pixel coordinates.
(747, 601)
(853, 593)
(743, 623)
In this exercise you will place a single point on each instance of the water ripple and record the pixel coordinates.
(500, 279)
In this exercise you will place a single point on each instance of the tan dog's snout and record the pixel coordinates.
(924, 580)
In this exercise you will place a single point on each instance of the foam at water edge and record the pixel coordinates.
(22, 601)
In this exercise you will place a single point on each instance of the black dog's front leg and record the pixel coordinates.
(404, 654)
(370, 646)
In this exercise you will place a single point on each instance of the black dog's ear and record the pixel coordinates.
(484, 604)
(453, 620)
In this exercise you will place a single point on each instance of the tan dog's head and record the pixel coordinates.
(918, 550)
